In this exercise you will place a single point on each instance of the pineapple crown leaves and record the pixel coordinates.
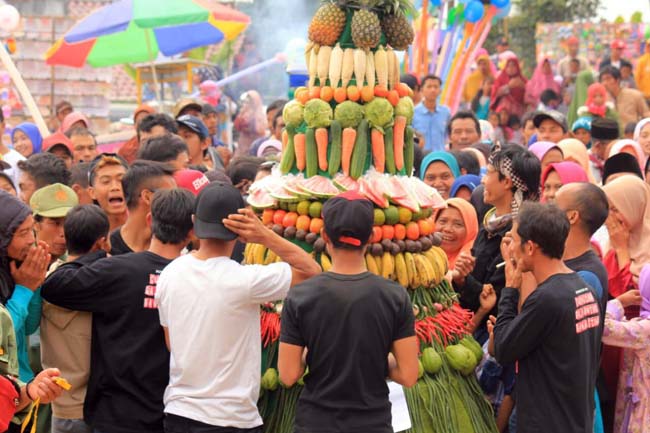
(385, 7)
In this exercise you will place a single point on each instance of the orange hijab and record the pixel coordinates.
(574, 150)
(631, 196)
(468, 213)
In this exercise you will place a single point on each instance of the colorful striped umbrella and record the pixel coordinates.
(134, 31)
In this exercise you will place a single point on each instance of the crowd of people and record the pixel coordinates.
(128, 264)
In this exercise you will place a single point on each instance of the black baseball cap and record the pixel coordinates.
(213, 204)
(603, 128)
(555, 116)
(195, 124)
(348, 220)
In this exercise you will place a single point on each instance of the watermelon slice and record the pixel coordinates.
(372, 193)
(425, 195)
(292, 185)
(345, 183)
(319, 186)
(260, 199)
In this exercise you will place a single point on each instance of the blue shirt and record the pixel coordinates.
(432, 125)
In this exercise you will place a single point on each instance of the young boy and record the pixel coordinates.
(65, 334)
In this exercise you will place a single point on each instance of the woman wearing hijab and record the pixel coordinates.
(458, 224)
(642, 135)
(633, 393)
(559, 174)
(484, 69)
(574, 150)
(27, 139)
(439, 170)
(547, 153)
(509, 89)
(631, 147)
(464, 186)
(542, 79)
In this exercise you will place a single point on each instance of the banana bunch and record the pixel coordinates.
(411, 270)
(258, 254)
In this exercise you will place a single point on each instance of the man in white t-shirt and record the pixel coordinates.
(209, 310)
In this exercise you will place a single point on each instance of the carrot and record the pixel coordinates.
(378, 151)
(321, 143)
(300, 144)
(285, 139)
(398, 141)
(347, 145)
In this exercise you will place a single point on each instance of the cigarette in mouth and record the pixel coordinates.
(500, 265)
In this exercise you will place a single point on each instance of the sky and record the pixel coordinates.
(614, 8)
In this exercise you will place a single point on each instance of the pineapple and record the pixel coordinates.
(399, 32)
(327, 24)
(366, 28)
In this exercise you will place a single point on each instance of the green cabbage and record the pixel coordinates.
(292, 114)
(405, 108)
(318, 114)
(349, 113)
(379, 113)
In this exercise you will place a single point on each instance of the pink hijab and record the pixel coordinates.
(569, 172)
(541, 148)
(621, 145)
(540, 82)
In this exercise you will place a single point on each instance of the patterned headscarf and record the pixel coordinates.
(504, 166)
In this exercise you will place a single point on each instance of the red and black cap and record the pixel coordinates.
(348, 220)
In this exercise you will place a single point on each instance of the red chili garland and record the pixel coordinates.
(449, 323)
(270, 327)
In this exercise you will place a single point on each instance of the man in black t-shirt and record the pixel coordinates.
(129, 360)
(358, 329)
(556, 336)
(139, 184)
(587, 208)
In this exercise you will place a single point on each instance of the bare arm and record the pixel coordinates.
(403, 361)
(166, 331)
(251, 230)
(291, 363)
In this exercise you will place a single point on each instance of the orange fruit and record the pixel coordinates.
(393, 97)
(367, 94)
(400, 232)
(403, 89)
(302, 223)
(278, 216)
(425, 226)
(388, 231)
(353, 93)
(316, 225)
(326, 93)
(314, 92)
(290, 219)
(302, 95)
(267, 216)
(340, 94)
(413, 231)
(377, 234)
(381, 91)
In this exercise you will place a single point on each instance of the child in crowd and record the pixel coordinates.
(569, 84)
(581, 130)
(514, 129)
(549, 100)
(597, 104)
(481, 102)
(627, 78)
